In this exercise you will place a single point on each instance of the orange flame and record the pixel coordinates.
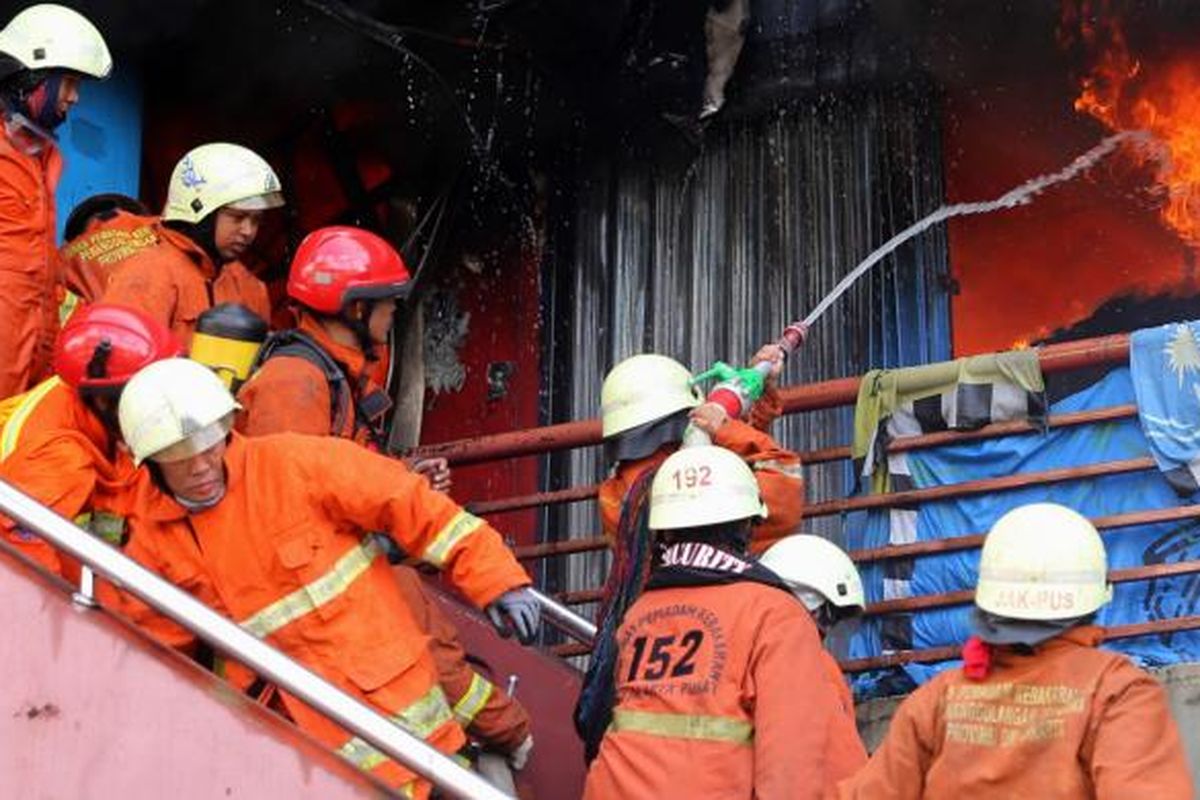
(1123, 95)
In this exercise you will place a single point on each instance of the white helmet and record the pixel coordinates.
(817, 570)
(173, 409)
(1042, 561)
(703, 485)
(642, 389)
(50, 36)
(220, 174)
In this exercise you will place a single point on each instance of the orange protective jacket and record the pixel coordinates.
(485, 710)
(779, 473)
(722, 692)
(1066, 722)
(107, 241)
(292, 394)
(56, 450)
(175, 281)
(30, 268)
(284, 554)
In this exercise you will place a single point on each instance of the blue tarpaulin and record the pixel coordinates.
(1127, 547)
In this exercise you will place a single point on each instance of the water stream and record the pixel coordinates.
(1011, 199)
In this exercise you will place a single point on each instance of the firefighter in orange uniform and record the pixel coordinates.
(646, 403)
(826, 582)
(271, 532)
(317, 379)
(100, 232)
(61, 444)
(721, 691)
(327, 376)
(44, 53)
(1036, 710)
(215, 202)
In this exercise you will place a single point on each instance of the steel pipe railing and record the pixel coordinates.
(967, 488)
(973, 540)
(265, 660)
(964, 596)
(806, 397)
(565, 619)
(906, 444)
(934, 654)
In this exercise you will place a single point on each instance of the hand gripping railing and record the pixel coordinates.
(268, 662)
(565, 619)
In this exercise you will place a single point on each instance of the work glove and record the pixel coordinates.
(517, 610)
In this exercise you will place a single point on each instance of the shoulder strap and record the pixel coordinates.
(298, 344)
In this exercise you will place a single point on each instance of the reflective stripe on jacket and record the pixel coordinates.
(722, 692)
(487, 712)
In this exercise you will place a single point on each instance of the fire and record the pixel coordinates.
(1124, 94)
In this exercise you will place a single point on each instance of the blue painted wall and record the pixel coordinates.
(102, 142)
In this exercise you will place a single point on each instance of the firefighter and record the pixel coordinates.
(60, 445)
(215, 201)
(826, 582)
(646, 403)
(271, 532)
(318, 380)
(721, 690)
(45, 52)
(101, 231)
(1036, 710)
(328, 375)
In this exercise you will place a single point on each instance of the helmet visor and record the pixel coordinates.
(196, 443)
(258, 202)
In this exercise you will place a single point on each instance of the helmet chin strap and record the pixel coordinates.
(360, 327)
(200, 505)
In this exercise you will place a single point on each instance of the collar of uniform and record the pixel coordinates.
(193, 251)
(160, 506)
(630, 471)
(352, 359)
(1080, 636)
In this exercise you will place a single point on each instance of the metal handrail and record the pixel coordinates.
(565, 619)
(355, 716)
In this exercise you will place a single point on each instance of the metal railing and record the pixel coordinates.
(221, 633)
(565, 619)
(1055, 358)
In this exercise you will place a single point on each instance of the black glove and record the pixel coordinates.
(516, 610)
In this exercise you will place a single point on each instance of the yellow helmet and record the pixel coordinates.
(703, 485)
(1042, 561)
(811, 564)
(220, 174)
(642, 389)
(174, 409)
(50, 36)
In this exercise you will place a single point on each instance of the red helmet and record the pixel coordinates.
(104, 345)
(337, 265)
